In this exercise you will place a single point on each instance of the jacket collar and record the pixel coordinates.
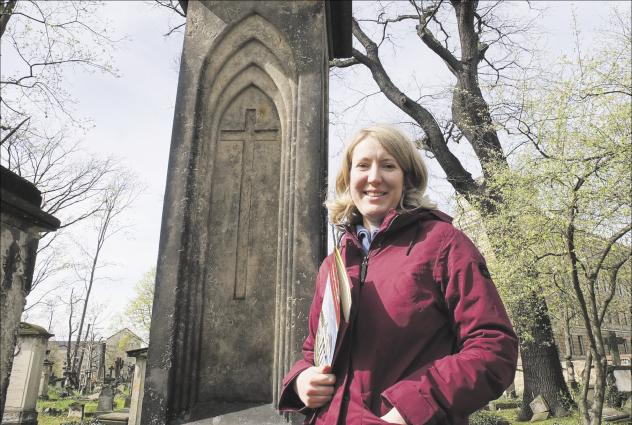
(395, 220)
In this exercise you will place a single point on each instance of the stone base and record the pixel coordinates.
(258, 415)
(18, 417)
(114, 418)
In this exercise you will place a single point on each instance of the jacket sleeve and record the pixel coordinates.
(289, 400)
(487, 347)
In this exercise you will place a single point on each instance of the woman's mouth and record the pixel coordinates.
(374, 194)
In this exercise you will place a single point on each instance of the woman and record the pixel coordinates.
(428, 340)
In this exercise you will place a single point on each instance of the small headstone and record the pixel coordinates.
(540, 409)
(539, 405)
(75, 410)
(540, 416)
(106, 399)
(128, 401)
(623, 380)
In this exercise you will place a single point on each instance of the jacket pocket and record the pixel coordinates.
(373, 407)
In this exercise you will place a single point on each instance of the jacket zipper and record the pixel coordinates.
(363, 269)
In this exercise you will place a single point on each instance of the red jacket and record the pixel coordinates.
(428, 332)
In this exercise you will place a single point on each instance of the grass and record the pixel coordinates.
(62, 404)
(511, 415)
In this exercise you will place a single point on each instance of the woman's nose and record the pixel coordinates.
(374, 174)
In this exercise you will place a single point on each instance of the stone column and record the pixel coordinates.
(243, 229)
(26, 376)
(21, 221)
(138, 385)
(46, 372)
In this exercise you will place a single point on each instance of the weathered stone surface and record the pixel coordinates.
(623, 379)
(114, 418)
(106, 399)
(26, 374)
(260, 415)
(243, 223)
(47, 369)
(138, 384)
(75, 410)
(539, 405)
(21, 220)
(540, 416)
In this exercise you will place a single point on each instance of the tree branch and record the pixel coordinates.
(460, 178)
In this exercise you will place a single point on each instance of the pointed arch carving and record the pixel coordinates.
(252, 55)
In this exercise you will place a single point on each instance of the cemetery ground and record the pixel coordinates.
(61, 405)
(483, 417)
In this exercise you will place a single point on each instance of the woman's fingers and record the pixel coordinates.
(317, 401)
(320, 390)
(315, 386)
(323, 379)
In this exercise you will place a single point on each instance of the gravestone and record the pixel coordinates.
(26, 375)
(613, 343)
(243, 222)
(622, 378)
(21, 221)
(106, 399)
(47, 369)
(540, 409)
(138, 384)
(76, 411)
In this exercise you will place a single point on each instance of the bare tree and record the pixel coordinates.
(71, 304)
(476, 45)
(117, 198)
(39, 42)
(179, 7)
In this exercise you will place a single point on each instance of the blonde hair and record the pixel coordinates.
(341, 208)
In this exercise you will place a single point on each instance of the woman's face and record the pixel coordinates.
(376, 181)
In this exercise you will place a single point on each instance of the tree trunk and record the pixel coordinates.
(601, 366)
(540, 359)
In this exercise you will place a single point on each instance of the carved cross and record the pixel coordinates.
(248, 137)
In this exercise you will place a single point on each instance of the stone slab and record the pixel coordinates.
(540, 416)
(17, 417)
(113, 418)
(502, 405)
(76, 410)
(259, 415)
(539, 405)
(623, 380)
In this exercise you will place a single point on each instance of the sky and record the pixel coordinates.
(133, 113)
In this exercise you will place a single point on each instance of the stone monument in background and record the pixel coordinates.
(243, 228)
(26, 375)
(21, 221)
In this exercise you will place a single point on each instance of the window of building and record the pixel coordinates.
(580, 345)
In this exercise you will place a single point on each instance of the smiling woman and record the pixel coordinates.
(428, 339)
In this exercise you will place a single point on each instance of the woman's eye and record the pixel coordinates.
(362, 165)
(389, 166)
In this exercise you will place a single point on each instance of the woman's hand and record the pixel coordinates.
(393, 417)
(315, 386)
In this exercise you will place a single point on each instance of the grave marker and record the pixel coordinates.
(243, 226)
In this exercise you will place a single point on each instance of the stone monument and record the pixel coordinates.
(26, 375)
(47, 370)
(243, 228)
(138, 382)
(21, 221)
